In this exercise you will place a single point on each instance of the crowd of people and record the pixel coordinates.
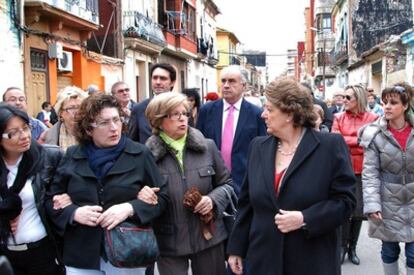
(305, 175)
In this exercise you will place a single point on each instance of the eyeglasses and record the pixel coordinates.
(178, 115)
(71, 109)
(399, 89)
(348, 97)
(16, 134)
(120, 91)
(15, 99)
(107, 123)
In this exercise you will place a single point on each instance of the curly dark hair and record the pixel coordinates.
(90, 108)
(290, 97)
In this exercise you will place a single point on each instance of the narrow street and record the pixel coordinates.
(368, 251)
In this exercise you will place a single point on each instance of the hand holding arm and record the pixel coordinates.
(61, 201)
(148, 194)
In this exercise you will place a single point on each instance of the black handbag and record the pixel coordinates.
(229, 214)
(129, 246)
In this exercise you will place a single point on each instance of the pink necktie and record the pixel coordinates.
(227, 137)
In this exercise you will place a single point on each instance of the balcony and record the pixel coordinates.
(340, 53)
(143, 33)
(85, 10)
(179, 32)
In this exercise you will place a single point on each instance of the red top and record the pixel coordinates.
(278, 177)
(347, 124)
(401, 136)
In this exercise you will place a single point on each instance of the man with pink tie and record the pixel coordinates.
(232, 122)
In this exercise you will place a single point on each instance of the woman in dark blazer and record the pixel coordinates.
(297, 191)
(102, 175)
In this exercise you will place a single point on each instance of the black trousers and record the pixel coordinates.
(41, 260)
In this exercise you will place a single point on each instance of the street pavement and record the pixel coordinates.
(369, 252)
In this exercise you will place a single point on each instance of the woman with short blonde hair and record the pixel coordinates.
(159, 109)
(193, 167)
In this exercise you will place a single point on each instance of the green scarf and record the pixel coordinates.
(177, 145)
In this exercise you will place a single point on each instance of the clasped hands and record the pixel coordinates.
(92, 215)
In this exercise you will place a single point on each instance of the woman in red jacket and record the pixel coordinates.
(347, 124)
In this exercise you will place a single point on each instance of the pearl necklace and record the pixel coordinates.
(289, 153)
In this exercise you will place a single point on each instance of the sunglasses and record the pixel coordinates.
(120, 91)
(348, 97)
(399, 89)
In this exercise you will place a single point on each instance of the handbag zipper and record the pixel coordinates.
(126, 229)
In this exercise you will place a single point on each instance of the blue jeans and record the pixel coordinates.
(391, 250)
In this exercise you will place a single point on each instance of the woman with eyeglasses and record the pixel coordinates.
(348, 124)
(67, 105)
(195, 172)
(26, 168)
(102, 175)
(388, 177)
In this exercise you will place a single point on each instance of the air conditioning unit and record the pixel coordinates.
(55, 50)
(65, 63)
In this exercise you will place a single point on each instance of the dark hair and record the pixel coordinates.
(167, 67)
(7, 112)
(90, 108)
(193, 92)
(292, 98)
(9, 89)
(403, 90)
(45, 104)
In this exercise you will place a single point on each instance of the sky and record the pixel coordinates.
(266, 25)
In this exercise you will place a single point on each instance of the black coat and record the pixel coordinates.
(134, 169)
(46, 159)
(319, 182)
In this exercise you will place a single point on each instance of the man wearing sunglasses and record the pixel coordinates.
(120, 91)
(14, 96)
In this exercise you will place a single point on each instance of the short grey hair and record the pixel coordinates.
(244, 75)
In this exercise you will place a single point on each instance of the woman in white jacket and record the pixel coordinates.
(388, 177)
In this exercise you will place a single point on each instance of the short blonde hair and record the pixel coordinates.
(67, 93)
(161, 106)
(360, 93)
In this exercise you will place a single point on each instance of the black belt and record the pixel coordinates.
(27, 246)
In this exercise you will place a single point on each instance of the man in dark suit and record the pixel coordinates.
(163, 78)
(246, 122)
(338, 104)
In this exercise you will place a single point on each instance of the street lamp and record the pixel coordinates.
(323, 59)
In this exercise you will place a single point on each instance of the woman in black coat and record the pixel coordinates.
(102, 175)
(26, 168)
(297, 191)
